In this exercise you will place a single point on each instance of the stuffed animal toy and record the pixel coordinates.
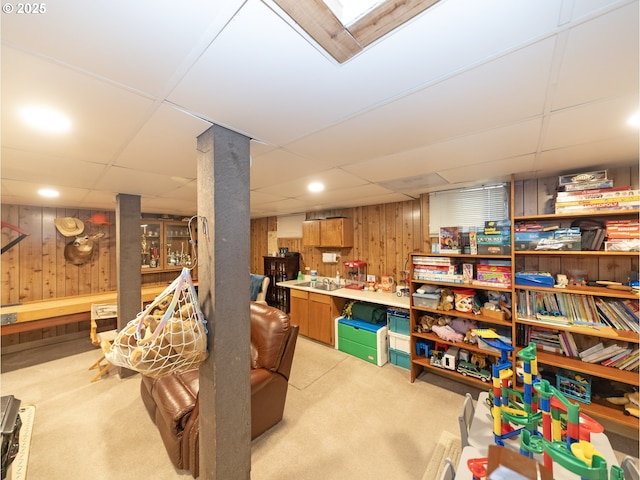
(447, 298)
(425, 323)
(463, 325)
(447, 333)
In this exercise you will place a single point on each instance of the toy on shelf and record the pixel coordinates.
(404, 290)
(543, 405)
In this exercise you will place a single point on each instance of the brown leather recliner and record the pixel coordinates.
(172, 401)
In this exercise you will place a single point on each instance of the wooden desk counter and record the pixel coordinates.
(60, 311)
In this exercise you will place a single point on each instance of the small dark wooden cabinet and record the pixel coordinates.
(281, 269)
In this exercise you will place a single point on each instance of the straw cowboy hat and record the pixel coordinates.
(69, 226)
(98, 219)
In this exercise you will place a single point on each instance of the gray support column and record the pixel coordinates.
(129, 278)
(223, 293)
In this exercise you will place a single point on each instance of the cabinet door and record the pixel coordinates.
(321, 325)
(336, 232)
(150, 247)
(311, 233)
(299, 314)
(177, 246)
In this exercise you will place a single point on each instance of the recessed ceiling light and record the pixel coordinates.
(48, 193)
(46, 119)
(634, 120)
(315, 187)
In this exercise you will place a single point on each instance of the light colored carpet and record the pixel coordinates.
(448, 446)
(20, 463)
(344, 419)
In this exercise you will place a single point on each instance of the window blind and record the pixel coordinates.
(467, 207)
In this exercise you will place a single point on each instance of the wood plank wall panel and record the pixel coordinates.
(10, 262)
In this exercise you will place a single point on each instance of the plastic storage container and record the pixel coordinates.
(426, 300)
(574, 385)
(401, 359)
(400, 342)
(398, 321)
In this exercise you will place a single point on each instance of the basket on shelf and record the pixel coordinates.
(574, 385)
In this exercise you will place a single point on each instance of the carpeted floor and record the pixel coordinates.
(344, 419)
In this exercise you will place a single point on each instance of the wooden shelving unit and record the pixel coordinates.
(420, 363)
(600, 265)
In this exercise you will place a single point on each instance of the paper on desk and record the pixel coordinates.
(505, 473)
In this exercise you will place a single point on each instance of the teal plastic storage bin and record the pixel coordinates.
(401, 359)
(398, 321)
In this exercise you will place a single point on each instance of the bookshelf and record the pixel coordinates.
(530, 201)
(612, 266)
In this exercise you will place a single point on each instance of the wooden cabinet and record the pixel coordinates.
(315, 314)
(311, 233)
(321, 318)
(280, 269)
(299, 313)
(336, 232)
(330, 232)
(165, 245)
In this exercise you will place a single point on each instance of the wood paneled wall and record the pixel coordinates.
(384, 235)
(35, 268)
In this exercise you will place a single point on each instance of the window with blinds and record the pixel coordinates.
(468, 207)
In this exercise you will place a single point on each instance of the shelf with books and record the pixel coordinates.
(585, 290)
(591, 330)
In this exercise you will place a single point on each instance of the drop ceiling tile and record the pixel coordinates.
(167, 206)
(25, 193)
(502, 142)
(276, 166)
(590, 156)
(48, 170)
(332, 179)
(591, 122)
(497, 170)
(135, 182)
(510, 89)
(600, 59)
(140, 44)
(103, 117)
(169, 137)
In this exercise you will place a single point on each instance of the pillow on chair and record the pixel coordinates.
(258, 285)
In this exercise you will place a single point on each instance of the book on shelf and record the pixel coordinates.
(630, 362)
(603, 354)
(426, 260)
(610, 362)
(618, 313)
(591, 350)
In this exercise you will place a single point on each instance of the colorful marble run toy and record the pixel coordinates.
(537, 419)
